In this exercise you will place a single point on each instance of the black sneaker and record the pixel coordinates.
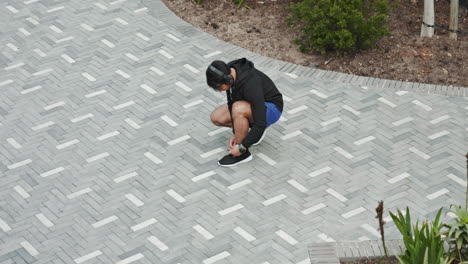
(263, 136)
(229, 160)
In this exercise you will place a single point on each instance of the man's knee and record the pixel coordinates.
(215, 118)
(241, 109)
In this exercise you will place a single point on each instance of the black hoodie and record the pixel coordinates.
(255, 87)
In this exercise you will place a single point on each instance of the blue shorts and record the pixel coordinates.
(272, 113)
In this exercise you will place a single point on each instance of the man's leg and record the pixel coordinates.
(242, 115)
(221, 117)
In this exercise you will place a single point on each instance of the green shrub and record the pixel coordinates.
(456, 235)
(342, 26)
(424, 244)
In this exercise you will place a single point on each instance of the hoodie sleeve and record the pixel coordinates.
(253, 94)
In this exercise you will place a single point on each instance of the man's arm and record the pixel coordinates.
(254, 95)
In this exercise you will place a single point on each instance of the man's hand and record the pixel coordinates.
(234, 151)
(232, 141)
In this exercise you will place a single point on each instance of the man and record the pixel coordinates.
(253, 101)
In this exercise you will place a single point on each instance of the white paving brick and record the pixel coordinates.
(14, 143)
(108, 135)
(81, 118)
(179, 198)
(24, 31)
(200, 229)
(183, 86)
(291, 135)
(217, 131)
(79, 193)
(298, 186)
(292, 75)
(191, 68)
(422, 105)
(153, 158)
(364, 140)
(172, 37)
(32, 21)
(419, 153)
(44, 220)
(319, 94)
(55, 9)
(336, 195)
(52, 172)
(43, 125)
(22, 192)
(14, 66)
(132, 123)
(313, 208)
(286, 237)
(125, 177)
(400, 93)
(398, 178)
(169, 121)
(4, 226)
(140, 10)
(137, 202)
(121, 21)
(68, 58)
(40, 52)
(402, 121)
(143, 37)
(457, 179)
(87, 27)
(19, 164)
(158, 243)
(97, 157)
(231, 209)
(148, 89)
(239, 184)
(144, 224)
(105, 221)
(325, 237)
(212, 54)
(123, 105)
(331, 121)
(32, 89)
(194, 103)
(123, 74)
(212, 152)
(52, 106)
(56, 29)
(157, 71)
(93, 94)
(244, 234)
(354, 212)
(438, 193)
(87, 257)
(89, 77)
(165, 54)
(12, 47)
(387, 102)
(344, 152)
(266, 159)
(103, 7)
(274, 200)
(131, 259)
(68, 144)
(178, 140)
(12, 9)
(29, 248)
(203, 176)
(352, 110)
(297, 109)
(6, 82)
(42, 72)
(320, 171)
(439, 119)
(438, 135)
(217, 257)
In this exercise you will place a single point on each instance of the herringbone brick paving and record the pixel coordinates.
(107, 154)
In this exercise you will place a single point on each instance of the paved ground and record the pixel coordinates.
(107, 154)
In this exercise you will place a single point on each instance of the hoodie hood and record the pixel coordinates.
(243, 67)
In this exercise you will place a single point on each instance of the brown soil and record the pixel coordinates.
(402, 55)
(390, 260)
